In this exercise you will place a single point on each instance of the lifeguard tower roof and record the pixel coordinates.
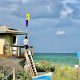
(5, 29)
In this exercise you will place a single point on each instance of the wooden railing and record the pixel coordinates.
(18, 50)
(11, 76)
(9, 50)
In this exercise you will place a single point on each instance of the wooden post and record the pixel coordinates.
(14, 74)
(11, 50)
(18, 51)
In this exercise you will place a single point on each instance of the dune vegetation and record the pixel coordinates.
(6, 67)
(66, 73)
(45, 66)
(59, 72)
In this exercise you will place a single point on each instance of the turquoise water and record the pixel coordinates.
(43, 78)
(57, 58)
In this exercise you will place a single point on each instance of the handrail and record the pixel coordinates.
(8, 75)
(13, 73)
(8, 50)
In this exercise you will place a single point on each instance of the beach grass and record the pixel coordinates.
(59, 72)
(66, 73)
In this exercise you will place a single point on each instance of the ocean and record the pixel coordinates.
(60, 59)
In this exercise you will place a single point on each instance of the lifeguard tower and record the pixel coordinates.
(8, 41)
(9, 47)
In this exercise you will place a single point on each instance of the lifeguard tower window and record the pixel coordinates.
(14, 39)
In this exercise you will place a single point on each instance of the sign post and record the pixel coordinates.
(78, 56)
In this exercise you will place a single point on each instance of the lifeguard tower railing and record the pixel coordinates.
(15, 50)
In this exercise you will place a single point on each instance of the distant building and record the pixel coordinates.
(8, 39)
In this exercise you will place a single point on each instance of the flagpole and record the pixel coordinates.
(27, 21)
(27, 30)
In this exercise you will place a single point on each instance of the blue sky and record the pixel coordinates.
(54, 24)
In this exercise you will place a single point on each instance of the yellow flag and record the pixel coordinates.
(28, 16)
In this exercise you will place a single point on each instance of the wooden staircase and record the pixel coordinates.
(32, 64)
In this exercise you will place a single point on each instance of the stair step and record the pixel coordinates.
(32, 64)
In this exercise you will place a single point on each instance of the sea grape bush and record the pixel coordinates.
(45, 66)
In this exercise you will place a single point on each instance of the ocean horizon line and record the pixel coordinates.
(55, 53)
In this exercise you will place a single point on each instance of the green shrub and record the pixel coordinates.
(45, 66)
(23, 75)
(52, 68)
(19, 72)
(1, 75)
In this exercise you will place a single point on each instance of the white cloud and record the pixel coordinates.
(10, 8)
(60, 32)
(39, 8)
(25, 1)
(70, 1)
(48, 8)
(67, 11)
(71, 9)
